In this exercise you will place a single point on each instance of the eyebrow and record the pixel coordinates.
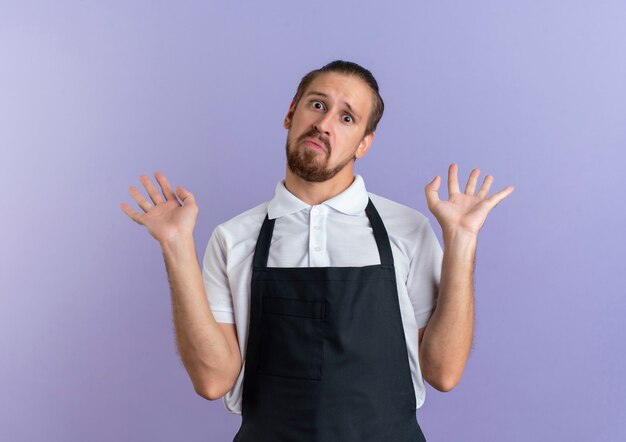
(322, 94)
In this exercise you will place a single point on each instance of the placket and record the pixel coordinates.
(318, 253)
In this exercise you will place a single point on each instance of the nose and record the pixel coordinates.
(323, 124)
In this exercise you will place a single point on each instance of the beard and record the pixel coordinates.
(311, 165)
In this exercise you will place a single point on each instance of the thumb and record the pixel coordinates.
(185, 195)
(432, 192)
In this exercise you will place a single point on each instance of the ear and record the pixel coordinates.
(364, 146)
(289, 116)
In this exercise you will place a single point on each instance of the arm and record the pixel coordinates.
(209, 350)
(447, 338)
(446, 341)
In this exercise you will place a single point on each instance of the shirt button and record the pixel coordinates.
(316, 227)
(317, 249)
(315, 211)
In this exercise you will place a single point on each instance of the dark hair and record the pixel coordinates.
(348, 68)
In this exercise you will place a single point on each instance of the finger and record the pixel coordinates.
(494, 199)
(453, 180)
(165, 186)
(432, 192)
(139, 199)
(133, 214)
(484, 189)
(471, 182)
(154, 193)
(186, 196)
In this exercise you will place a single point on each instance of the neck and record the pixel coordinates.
(316, 193)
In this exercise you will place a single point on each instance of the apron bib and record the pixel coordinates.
(326, 357)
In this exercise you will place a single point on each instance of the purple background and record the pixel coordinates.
(94, 94)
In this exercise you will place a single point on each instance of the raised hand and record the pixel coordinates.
(463, 211)
(165, 219)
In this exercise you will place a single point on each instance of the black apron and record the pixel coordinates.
(326, 357)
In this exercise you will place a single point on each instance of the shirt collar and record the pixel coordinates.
(351, 201)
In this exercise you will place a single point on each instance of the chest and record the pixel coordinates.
(323, 238)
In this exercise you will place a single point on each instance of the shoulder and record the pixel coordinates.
(398, 216)
(405, 226)
(246, 224)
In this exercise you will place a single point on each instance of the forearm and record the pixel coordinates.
(448, 336)
(202, 346)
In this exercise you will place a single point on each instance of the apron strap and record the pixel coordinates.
(262, 249)
(380, 234)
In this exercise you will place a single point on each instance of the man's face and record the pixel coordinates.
(333, 111)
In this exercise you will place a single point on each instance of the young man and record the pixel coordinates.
(318, 314)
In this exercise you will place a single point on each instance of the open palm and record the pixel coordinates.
(464, 211)
(166, 218)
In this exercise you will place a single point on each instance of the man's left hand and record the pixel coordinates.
(464, 212)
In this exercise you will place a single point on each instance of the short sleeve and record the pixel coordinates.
(215, 280)
(425, 274)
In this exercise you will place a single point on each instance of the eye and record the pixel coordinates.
(315, 102)
(349, 117)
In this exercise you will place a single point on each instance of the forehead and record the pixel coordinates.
(343, 88)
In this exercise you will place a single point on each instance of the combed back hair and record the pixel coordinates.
(352, 69)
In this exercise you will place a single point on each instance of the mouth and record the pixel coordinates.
(314, 144)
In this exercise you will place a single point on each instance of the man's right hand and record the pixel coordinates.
(165, 219)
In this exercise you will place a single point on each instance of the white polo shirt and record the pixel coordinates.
(335, 233)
